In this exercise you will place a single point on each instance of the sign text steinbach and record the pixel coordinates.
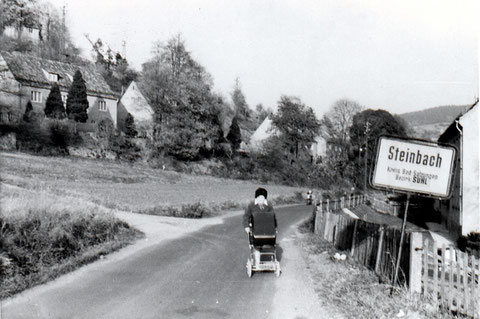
(413, 166)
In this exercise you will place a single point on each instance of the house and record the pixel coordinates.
(460, 214)
(135, 103)
(26, 78)
(261, 134)
(31, 33)
(318, 149)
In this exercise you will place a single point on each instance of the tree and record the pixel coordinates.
(366, 127)
(180, 91)
(77, 102)
(239, 102)
(54, 38)
(130, 129)
(336, 123)
(234, 135)
(262, 113)
(296, 122)
(113, 67)
(54, 105)
(29, 115)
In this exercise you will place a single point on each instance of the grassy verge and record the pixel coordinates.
(356, 290)
(43, 236)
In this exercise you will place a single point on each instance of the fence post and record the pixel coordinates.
(342, 202)
(379, 250)
(352, 250)
(349, 201)
(327, 208)
(416, 252)
(326, 226)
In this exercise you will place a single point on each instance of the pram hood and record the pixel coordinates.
(263, 223)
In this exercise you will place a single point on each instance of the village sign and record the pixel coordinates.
(414, 166)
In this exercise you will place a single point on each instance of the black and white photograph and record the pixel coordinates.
(270, 159)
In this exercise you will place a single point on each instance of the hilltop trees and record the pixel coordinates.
(54, 105)
(77, 102)
(54, 41)
(114, 68)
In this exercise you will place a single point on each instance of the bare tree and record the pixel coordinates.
(339, 118)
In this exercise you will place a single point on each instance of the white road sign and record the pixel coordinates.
(413, 166)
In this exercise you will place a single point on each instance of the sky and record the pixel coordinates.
(400, 56)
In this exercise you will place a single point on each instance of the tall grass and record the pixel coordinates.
(43, 235)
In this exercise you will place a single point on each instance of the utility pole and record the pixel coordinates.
(367, 130)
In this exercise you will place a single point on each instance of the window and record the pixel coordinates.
(36, 96)
(53, 77)
(10, 116)
(102, 105)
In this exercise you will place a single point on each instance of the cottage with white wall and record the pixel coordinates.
(26, 78)
(461, 214)
(135, 103)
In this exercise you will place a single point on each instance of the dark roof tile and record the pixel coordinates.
(32, 70)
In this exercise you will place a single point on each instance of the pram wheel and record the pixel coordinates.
(249, 268)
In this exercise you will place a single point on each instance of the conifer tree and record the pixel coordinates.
(130, 129)
(234, 136)
(77, 102)
(54, 105)
(29, 115)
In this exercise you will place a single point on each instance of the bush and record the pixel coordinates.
(36, 242)
(470, 243)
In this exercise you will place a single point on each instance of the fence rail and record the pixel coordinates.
(372, 245)
(450, 277)
(445, 274)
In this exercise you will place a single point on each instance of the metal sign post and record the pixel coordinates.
(402, 234)
(415, 167)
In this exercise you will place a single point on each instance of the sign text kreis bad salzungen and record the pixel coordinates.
(413, 166)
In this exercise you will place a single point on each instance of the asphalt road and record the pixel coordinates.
(199, 275)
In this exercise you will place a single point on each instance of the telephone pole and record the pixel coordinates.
(367, 130)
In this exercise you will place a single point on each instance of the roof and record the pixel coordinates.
(136, 104)
(452, 128)
(263, 132)
(33, 71)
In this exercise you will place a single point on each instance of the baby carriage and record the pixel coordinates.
(262, 243)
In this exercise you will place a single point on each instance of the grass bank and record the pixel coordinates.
(356, 290)
(43, 236)
(135, 188)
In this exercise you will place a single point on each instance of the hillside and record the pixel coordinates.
(430, 123)
(434, 115)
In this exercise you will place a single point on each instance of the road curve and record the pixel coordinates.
(199, 275)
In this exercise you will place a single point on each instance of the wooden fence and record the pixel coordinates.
(445, 275)
(451, 278)
(372, 245)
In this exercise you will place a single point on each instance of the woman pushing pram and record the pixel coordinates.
(260, 224)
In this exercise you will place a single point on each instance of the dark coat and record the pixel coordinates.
(266, 219)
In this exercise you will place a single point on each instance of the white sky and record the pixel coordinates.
(396, 55)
